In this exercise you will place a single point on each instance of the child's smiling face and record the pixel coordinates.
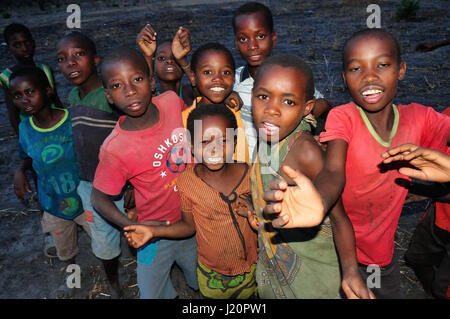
(166, 68)
(254, 40)
(76, 63)
(214, 76)
(28, 95)
(215, 147)
(128, 86)
(279, 101)
(372, 71)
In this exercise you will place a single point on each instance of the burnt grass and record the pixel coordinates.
(314, 30)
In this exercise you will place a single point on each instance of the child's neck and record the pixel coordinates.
(91, 84)
(145, 121)
(170, 86)
(252, 70)
(223, 180)
(382, 121)
(21, 64)
(47, 117)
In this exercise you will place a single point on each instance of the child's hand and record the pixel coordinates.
(354, 287)
(296, 206)
(132, 214)
(21, 184)
(146, 40)
(233, 101)
(245, 209)
(429, 165)
(138, 235)
(181, 44)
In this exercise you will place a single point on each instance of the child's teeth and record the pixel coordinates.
(217, 89)
(369, 92)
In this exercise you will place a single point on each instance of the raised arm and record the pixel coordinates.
(181, 46)
(146, 41)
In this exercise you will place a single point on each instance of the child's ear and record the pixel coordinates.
(309, 106)
(274, 38)
(49, 91)
(402, 70)
(344, 79)
(97, 60)
(108, 97)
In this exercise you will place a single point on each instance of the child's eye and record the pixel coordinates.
(207, 72)
(262, 97)
(289, 102)
(17, 96)
(354, 69)
(383, 65)
(138, 79)
(115, 85)
(227, 72)
(29, 92)
(161, 58)
(261, 36)
(60, 59)
(242, 39)
(80, 53)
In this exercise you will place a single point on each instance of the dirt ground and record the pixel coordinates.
(313, 29)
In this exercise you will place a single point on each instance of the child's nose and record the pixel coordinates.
(253, 44)
(370, 75)
(130, 90)
(272, 108)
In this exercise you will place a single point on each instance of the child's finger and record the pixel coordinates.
(278, 184)
(272, 208)
(280, 221)
(27, 187)
(273, 195)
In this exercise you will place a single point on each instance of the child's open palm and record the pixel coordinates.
(146, 40)
(181, 44)
(296, 206)
(138, 235)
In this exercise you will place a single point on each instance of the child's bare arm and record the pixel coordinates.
(20, 180)
(330, 181)
(181, 46)
(106, 207)
(138, 235)
(146, 41)
(344, 237)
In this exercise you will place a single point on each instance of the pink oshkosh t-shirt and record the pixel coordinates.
(150, 159)
(374, 195)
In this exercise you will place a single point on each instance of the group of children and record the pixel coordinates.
(208, 164)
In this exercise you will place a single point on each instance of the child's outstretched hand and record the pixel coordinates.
(233, 101)
(181, 44)
(245, 209)
(21, 185)
(138, 235)
(296, 206)
(430, 165)
(146, 40)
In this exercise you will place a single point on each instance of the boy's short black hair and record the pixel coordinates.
(254, 7)
(290, 61)
(88, 42)
(202, 111)
(214, 46)
(379, 33)
(121, 54)
(34, 73)
(15, 28)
